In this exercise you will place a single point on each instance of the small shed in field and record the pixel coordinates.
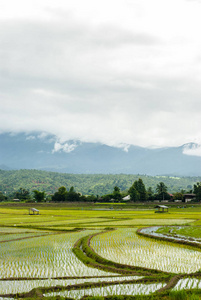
(161, 209)
(33, 211)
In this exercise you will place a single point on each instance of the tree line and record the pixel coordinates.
(86, 184)
(137, 192)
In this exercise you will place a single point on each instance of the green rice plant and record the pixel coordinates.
(22, 286)
(194, 297)
(188, 283)
(105, 263)
(126, 247)
(48, 256)
(51, 256)
(64, 217)
(116, 290)
(178, 295)
(184, 231)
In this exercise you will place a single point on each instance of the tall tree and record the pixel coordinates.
(60, 195)
(138, 191)
(150, 193)
(39, 196)
(161, 190)
(134, 195)
(140, 188)
(117, 193)
(22, 194)
(2, 197)
(72, 196)
(197, 190)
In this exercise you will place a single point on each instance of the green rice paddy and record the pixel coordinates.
(126, 247)
(187, 231)
(36, 251)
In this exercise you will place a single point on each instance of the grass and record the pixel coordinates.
(64, 216)
(180, 295)
(188, 231)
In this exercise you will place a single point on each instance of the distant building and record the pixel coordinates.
(189, 197)
(127, 198)
(171, 196)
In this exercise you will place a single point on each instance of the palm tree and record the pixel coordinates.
(161, 188)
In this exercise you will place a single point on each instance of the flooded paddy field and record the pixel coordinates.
(117, 290)
(37, 252)
(126, 247)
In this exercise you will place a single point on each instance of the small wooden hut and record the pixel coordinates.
(161, 209)
(33, 211)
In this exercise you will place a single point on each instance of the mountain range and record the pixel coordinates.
(44, 152)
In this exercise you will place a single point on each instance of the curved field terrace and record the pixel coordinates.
(127, 247)
(69, 253)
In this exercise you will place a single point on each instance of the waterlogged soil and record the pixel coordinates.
(24, 286)
(187, 284)
(46, 257)
(126, 247)
(116, 290)
(153, 231)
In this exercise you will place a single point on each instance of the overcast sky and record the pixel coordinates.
(115, 71)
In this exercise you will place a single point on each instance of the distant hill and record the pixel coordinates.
(87, 184)
(44, 152)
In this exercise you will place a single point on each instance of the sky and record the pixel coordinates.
(118, 72)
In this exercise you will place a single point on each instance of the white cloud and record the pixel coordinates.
(192, 149)
(119, 72)
(66, 147)
(30, 137)
(125, 147)
(43, 135)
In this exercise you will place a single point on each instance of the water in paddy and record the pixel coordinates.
(127, 247)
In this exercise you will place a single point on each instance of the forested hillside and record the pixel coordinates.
(98, 184)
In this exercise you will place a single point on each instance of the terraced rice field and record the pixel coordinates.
(13, 287)
(118, 290)
(188, 283)
(126, 247)
(183, 231)
(47, 256)
(37, 251)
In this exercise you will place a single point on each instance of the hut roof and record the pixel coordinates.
(34, 209)
(161, 206)
(171, 195)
